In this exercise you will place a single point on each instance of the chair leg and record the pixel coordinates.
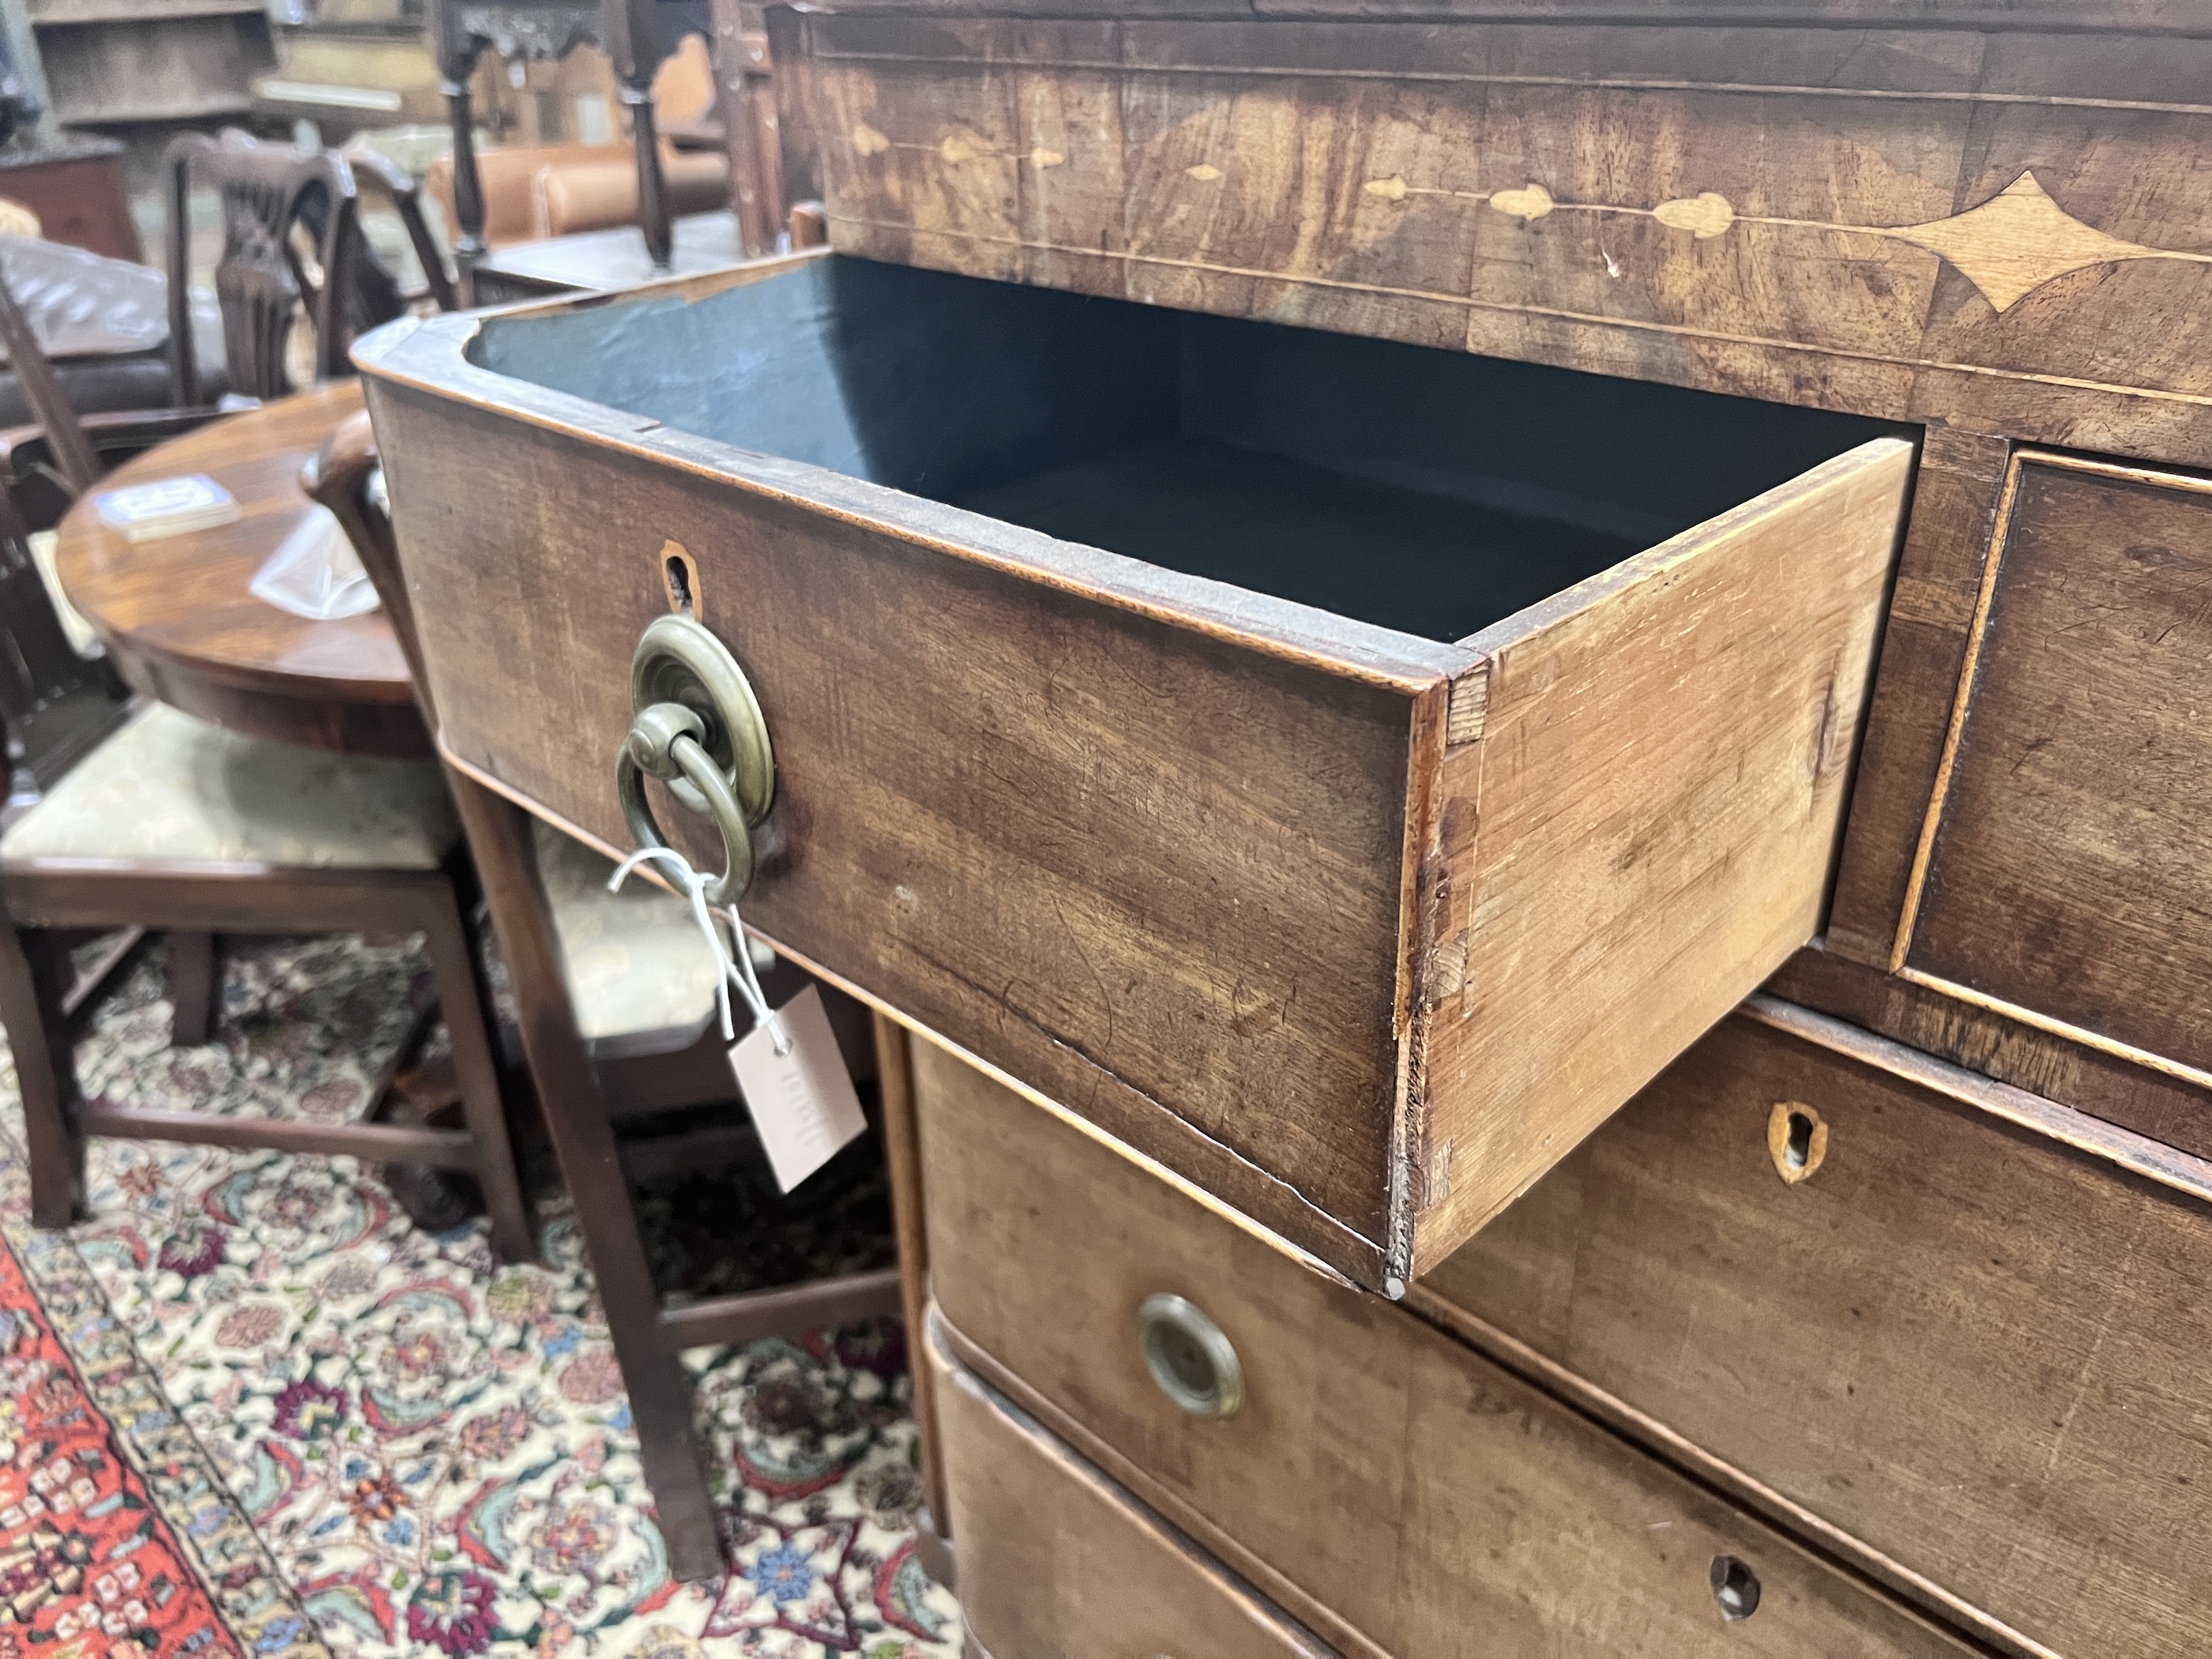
(45, 1071)
(461, 999)
(660, 1392)
(195, 986)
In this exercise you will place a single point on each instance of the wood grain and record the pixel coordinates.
(1066, 1561)
(1961, 1341)
(1955, 498)
(1196, 861)
(2071, 874)
(1465, 1512)
(1645, 831)
(1982, 229)
(2087, 1077)
(1136, 865)
(178, 621)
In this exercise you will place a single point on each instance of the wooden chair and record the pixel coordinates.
(603, 1046)
(170, 823)
(292, 245)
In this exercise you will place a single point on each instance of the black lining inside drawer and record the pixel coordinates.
(1428, 491)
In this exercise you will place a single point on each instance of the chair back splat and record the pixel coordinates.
(292, 245)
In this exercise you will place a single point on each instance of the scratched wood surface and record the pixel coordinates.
(1057, 1558)
(1970, 1346)
(1931, 613)
(1646, 829)
(2070, 871)
(2001, 229)
(1176, 854)
(1434, 1504)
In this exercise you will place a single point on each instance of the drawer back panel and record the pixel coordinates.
(1977, 1351)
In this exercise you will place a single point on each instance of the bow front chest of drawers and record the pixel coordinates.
(1331, 590)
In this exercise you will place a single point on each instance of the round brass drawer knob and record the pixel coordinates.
(1189, 1358)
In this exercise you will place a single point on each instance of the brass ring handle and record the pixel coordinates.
(1190, 1358)
(699, 730)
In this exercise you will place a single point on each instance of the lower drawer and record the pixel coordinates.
(1977, 1350)
(1395, 1490)
(1058, 1562)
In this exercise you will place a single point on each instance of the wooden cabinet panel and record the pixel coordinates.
(1969, 1346)
(1997, 228)
(1433, 1503)
(2068, 875)
(1055, 1558)
(1137, 681)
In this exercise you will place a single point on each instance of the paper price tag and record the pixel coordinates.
(802, 1102)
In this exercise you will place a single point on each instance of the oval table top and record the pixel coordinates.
(177, 619)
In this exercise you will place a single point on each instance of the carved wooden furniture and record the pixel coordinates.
(615, 993)
(529, 192)
(292, 246)
(1331, 594)
(625, 29)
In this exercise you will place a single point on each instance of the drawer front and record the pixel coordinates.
(1977, 1351)
(1433, 1503)
(1058, 1562)
(1998, 230)
(1200, 863)
(2065, 872)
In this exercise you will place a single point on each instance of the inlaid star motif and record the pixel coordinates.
(2018, 240)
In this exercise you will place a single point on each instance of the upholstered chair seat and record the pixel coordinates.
(168, 788)
(640, 976)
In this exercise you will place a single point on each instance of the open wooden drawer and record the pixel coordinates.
(1338, 772)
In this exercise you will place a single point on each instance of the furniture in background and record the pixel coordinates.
(534, 191)
(273, 199)
(171, 823)
(103, 323)
(663, 179)
(179, 623)
(133, 62)
(75, 186)
(614, 994)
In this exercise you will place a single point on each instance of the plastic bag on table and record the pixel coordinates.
(314, 572)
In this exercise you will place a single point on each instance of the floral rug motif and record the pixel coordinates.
(435, 1450)
(114, 1539)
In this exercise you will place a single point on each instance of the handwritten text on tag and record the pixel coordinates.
(802, 1102)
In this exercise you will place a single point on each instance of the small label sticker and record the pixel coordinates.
(802, 1102)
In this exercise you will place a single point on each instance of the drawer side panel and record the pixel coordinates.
(1646, 828)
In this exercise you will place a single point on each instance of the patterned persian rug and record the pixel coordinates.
(285, 1421)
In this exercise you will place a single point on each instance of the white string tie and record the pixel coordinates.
(734, 967)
